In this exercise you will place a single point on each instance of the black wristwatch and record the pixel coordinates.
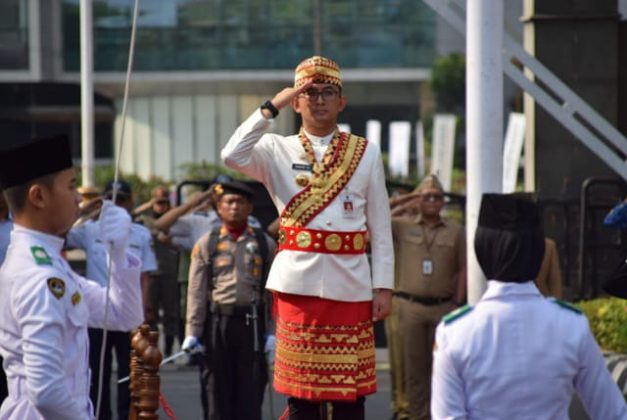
(270, 107)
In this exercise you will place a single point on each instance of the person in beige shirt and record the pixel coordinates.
(549, 279)
(431, 254)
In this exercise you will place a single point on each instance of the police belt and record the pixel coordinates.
(231, 309)
(429, 301)
(322, 241)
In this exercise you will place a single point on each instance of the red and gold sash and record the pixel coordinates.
(328, 180)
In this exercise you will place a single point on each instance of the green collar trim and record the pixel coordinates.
(456, 314)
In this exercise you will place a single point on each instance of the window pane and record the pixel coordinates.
(13, 35)
(253, 34)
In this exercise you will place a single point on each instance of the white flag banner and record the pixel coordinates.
(373, 132)
(344, 127)
(512, 150)
(443, 148)
(400, 132)
(420, 150)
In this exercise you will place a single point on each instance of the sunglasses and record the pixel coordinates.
(432, 197)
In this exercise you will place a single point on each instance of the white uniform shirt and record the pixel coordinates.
(43, 336)
(517, 355)
(87, 237)
(189, 228)
(269, 158)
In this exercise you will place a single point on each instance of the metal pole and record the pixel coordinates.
(317, 36)
(484, 115)
(87, 93)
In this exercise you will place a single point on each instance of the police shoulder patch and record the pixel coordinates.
(567, 305)
(40, 255)
(56, 287)
(456, 314)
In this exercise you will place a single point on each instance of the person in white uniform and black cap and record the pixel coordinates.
(45, 307)
(516, 354)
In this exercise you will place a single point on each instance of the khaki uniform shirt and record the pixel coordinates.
(167, 256)
(443, 244)
(230, 277)
(549, 279)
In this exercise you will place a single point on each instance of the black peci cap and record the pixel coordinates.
(509, 212)
(34, 159)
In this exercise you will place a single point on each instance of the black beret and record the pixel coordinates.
(233, 187)
(509, 212)
(122, 187)
(33, 159)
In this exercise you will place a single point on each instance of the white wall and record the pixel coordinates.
(164, 132)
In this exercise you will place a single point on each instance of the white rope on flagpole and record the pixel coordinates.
(129, 69)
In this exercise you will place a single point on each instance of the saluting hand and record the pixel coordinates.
(381, 304)
(284, 97)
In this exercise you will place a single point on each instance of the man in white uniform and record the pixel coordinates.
(329, 188)
(89, 238)
(517, 355)
(45, 307)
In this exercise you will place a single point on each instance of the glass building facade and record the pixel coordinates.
(14, 44)
(204, 35)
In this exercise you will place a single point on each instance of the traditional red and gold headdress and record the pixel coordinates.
(319, 69)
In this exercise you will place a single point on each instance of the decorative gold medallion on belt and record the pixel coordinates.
(333, 242)
(358, 241)
(303, 239)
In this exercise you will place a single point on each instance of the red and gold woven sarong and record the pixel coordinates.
(325, 348)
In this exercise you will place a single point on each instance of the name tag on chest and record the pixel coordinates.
(302, 167)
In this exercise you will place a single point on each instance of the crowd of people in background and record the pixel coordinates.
(203, 267)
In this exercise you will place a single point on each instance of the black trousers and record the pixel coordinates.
(120, 342)
(240, 374)
(309, 410)
(4, 391)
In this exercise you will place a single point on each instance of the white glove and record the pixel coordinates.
(115, 227)
(191, 345)
(269, 348)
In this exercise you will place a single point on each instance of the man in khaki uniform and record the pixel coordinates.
(549, 279)
(403, 207)
(163, 293)
(225, 294)
(432, 278)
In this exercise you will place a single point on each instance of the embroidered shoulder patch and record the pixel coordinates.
(567, 305)
(456, 314)
(40, 255)
(57, 287)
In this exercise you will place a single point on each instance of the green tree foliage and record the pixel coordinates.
(448, 81)
(204, 171)
(142, 189)
(608, 322)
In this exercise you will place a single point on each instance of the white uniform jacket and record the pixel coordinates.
(517, 355)
(45, 309)
(270, 158)
(87, 237)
